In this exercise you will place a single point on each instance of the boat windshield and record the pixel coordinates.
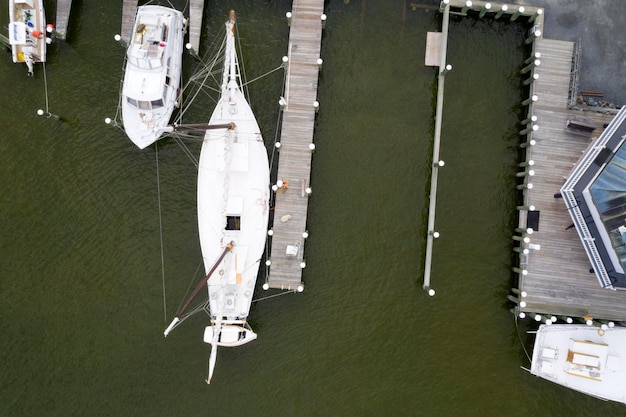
(145, 105)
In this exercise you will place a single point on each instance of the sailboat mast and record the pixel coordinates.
(195, 292)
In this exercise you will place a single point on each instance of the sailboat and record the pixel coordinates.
(27, 32)
(588, 359)
(152, 73)
(233, 209)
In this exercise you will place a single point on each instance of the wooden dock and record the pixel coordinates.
(294, 167)
(129, 10)
(558, 280)
(62, 18)
(196, 12)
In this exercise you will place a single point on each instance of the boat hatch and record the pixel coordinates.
(234, 207)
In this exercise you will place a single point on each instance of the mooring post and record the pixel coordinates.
(484, 10)
(531, 119)
(518, 13)
(527, 230)
(466, 7)
(443, 5)
(502, 10)
(323, 19)
(525, 186)
(529, 128)
(538, 13)
(534, 56)
(527, 208)
(524, 239)
(529, 100)
(530, 66)
(446, 70)
(531, 79)
(520, 271)
(528, 163)
(526, 144)
(288, 15)
(533, 36)
(529, 173)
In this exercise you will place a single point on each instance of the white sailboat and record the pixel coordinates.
(152, 73)
(233, 209)
(584, 358)
(27, 32)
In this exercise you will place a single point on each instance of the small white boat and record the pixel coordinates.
(27, 32)
(152, 73)
(588, 359)
(233, 209)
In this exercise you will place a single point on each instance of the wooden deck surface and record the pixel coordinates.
(294, 164)
(62, 17)
(558, 280)
(196, 13)
(129, 10)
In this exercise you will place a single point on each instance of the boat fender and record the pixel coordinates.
(600, 332)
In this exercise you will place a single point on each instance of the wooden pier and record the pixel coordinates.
(289, 228)
(62, 18)
(129, 10)
(558, 280)
(196, 12)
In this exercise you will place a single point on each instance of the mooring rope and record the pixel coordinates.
(520, 339)
(274, 295)
(156, 153)
(45, 84)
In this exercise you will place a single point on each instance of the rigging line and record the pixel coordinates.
(189, 287)
(520, 339)
(274, 295)
(261, 76)
(186, 150)
(156, 153)
(45, 83)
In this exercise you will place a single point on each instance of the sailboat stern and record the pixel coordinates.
(230, 335)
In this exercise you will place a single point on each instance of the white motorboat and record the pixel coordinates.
(588, 359)
(233, 209)
(152, 73)
(27, 32)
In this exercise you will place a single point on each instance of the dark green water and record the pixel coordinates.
(81, 294)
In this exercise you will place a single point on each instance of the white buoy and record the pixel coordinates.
(431, 292)
(117, 38)
(107, 120)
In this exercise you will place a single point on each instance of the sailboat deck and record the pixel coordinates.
(294, 167)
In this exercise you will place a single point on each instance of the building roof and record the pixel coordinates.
(595, 197)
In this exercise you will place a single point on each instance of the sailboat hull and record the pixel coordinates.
(233, 198)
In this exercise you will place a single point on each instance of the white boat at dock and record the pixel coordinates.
(233, 208)
(27, 32)
(585, 358)
(152, 73)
